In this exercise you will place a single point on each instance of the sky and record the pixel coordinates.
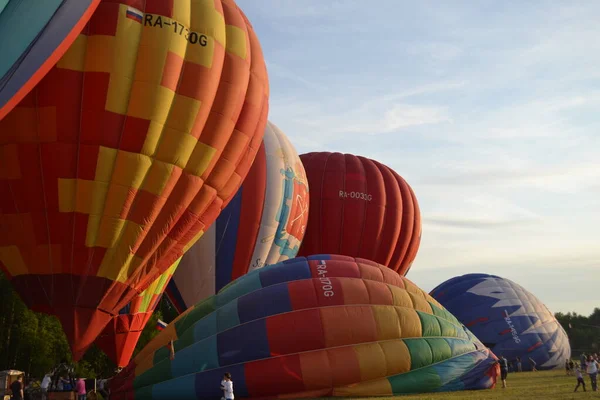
(488, 109)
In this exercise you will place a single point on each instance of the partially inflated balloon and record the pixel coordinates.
(33, 36)
(125, 153)
(507, 318)
(264, 224)
(360, 208)
(323, 326)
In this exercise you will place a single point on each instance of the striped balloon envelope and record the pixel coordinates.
(33, 36)
(264, 224)
(326, 325)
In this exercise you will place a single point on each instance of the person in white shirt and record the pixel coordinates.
(227, 387)
(592, 370)
(44, 386)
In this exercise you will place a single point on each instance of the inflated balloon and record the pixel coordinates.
(125, 153)
(33, 36)
(360, 208)
(264, 224)
(507, 318)
(323, 326)
(120, 336)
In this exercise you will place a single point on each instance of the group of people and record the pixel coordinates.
(588, 364)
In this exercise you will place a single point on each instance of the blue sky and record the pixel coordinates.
(489, 110)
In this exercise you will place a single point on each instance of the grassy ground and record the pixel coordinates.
(546, 385)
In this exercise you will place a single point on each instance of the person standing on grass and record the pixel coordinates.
(519, 365)
(80, 387)
(592, 370)
(580, 380)
(503, 370)
(533, 364)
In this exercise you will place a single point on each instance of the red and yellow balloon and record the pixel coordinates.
(125, 153)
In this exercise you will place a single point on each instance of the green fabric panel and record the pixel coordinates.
(158, 373)
(200, 310)
(421, 381)
(430, 325)
(443, 313)
(460, 346)
(449, 329)
(184, 340)
(227, 316)
(196, 358)
(161, 354)
(420, 353)
(440, 349)
(241, 286)
(144, 393)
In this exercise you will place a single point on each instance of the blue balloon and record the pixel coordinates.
(507, 318)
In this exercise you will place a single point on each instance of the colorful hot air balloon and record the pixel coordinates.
(125, 153)
(322, 326)
(33, 36)
(360, 208)
(507, 318)
(264, 224)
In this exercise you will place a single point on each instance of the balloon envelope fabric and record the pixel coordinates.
(326, 325)
(507, 318)
(125, 153)
(264, 224)
(33, 36)
(360, 208)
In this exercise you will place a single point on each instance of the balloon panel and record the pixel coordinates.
(323, 326)
(125, 153)
(360, 208)
(33, 36)
(264, 224)
(507, 318)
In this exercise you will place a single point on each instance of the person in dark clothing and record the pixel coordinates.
(503, 370)
(17, 388)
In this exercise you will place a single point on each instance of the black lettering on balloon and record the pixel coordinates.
(193, 38)
(148, 19)
(158, 21)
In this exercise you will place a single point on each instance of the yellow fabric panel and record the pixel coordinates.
(178, 44)
(183, 113)
(175, 147)
(119, 89)
(182, 12)
(9, 162)
(397, 357)
(316, 370)
(378, 387)
(84, 198)
(371, 361)
(114, 264)
(386, 319)
(105, 163)
(130, 169)
(66, 195)
(98, 198)
(410, 322)
(193, 241)
(74, 58)
(208, 20)
(91, 234)
(130, 234)
(152, 55)
(412, 288)
(420, 303)
(401, 297)
(200, 159)
(115, 199)
(109, 231)
(152, 137)
(100, 53)
(10, 256)
(150, 101)
(237, 41)
(158, 177)
(130, 264)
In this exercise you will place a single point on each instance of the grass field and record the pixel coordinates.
(543, 385)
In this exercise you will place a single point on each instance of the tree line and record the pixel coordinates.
(35, 343)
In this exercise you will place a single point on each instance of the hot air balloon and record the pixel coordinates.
(328, 325)
(125, 153)
(33, 37)
(507, 318)
(360, 208)
(264, 224)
